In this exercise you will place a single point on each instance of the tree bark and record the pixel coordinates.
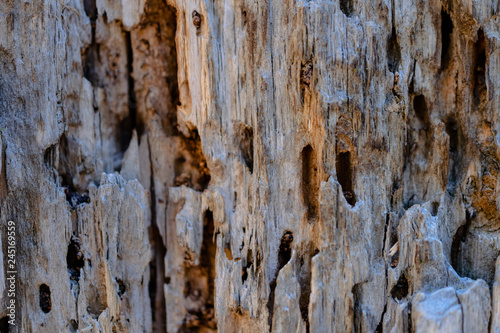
(250, 166)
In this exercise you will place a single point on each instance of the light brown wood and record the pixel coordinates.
(251, 166)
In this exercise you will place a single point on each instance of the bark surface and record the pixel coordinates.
(251, 166)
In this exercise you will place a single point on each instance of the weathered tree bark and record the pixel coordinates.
(250, 166)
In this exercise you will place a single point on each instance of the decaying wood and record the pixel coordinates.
(251, 166)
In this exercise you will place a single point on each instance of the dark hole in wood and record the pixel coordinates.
(435, 208)
(310, 183)
(401, 289)
(285, 250)
(208, 250)
(393, 52)
(45, 301)
(121, 288)
(190, 166)
(421, 110)
(356, 295)
(346, 7)
(305, 295)
(74, 259)
(244, 275)
(200, 284)
(452, 131)
(74, 198)
(305, 284)
(90, 9)
(345, 176)
(446, 31)
(246, 146)
(74, 325)
(90, 59)
(479, 83)
(128, 124)
(456, 246)
(157, 271)
(179, 164)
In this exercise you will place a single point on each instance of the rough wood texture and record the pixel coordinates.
(251, 166)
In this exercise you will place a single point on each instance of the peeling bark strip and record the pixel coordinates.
(251, 166)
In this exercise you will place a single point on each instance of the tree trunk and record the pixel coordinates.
(250, 166)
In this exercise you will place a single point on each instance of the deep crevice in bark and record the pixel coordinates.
(162, 51)
(446, 33)
(393, 52)
(66, 166)
(453, 131)
(199, 289)
(91, 53)
(190, 165)
(74, 259)
(157, 264)
(357, 310)
(310, 183)
(345, 176)
(305, 285)
(284, 256)
(457, 246)
(380, 326)
(421, 110)
(479, 68)
(129, 123)
(156, 282)
(90, 9)
(244, 144)
(423, 125)
(247, 266)
(154, 93)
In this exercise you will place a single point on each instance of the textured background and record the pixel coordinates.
(251, 166)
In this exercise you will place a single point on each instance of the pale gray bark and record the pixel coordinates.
(251, 166)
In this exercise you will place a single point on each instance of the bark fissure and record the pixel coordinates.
(310, 182)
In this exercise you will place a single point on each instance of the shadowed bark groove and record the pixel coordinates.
(310, 182)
